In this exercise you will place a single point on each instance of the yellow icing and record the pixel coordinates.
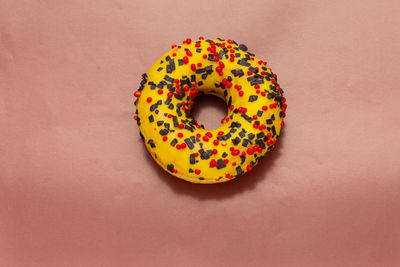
(165, 154)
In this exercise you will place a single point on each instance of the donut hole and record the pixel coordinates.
(209, 110)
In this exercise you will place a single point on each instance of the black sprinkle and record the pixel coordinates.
(167, 101)
(168, 78)
(224, 155)
(151, 143)
(189, 143)
(247, 118)
(243, 62)
(151, 118)
(173, 142)
(253, 98)
(243, 158)
(239, 170)
(221, 164)
(170, 167)
(245, 142)
(192, 159)
(236, 140)
(163, 132)
(243, 47)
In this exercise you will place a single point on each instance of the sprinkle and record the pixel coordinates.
(165, 138)
(197, 171)
(249, 168)
(149, 100)
(185, 59)
(137, 94)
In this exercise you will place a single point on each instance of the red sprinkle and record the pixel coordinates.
(205, 138)
(241, 93)
(250, 151)
(165, 138)
(181, 126)
(180, 135)
(183, 145)
(149, 100)
(193, 67)
(204, 56)
(137, 94)
(160, 91)
(215, 151)
(197, 171)
(216, 142)
(249, 72)
(185, 59)
(189, 53)
(265, 108)
(209, 134)
(220, 133)
(249, 168)
(170, 94)
(188, 40)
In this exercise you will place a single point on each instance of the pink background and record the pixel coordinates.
(77, 187)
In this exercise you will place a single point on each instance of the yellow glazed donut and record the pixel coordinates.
(180, 145)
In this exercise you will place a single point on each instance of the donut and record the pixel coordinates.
(178, 143)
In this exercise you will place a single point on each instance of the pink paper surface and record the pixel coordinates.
(77, 187)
